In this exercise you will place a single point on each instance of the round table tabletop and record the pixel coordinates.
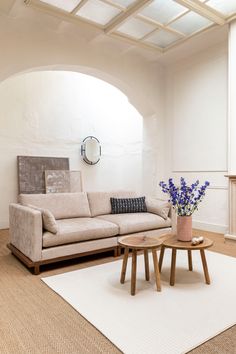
(172, 242)
(139, 242)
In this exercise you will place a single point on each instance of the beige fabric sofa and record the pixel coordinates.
(84, 222)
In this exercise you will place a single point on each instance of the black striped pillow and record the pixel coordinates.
(128, 205)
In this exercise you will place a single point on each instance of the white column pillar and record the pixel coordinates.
(232, 130)
(232, 100)
(231, 234)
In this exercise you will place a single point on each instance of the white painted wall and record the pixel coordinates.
(32, 40)
(196, 130)
(50, 113)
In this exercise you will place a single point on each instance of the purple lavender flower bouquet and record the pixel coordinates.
(184, 198)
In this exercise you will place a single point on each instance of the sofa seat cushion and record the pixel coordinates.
(135, 222)
(79, 229)
(61, 205)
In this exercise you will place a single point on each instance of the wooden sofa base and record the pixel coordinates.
(36, 265)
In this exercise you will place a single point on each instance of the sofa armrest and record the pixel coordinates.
(26, 230)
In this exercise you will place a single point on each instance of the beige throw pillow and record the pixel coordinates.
(158, 207)
(49, 222)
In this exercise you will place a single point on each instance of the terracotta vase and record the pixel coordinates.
(184, 228)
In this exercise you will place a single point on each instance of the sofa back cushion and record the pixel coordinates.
(61, 205)
(100, 203)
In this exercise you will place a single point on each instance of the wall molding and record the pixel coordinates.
(202, 171)
(230, 237)
(218, 187)
(222, 229)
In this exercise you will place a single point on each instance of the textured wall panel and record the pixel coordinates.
(31, 170)
(63, 181)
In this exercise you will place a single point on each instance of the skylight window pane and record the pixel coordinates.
(136, 28)
(67, 5)
(98, 11)
(163, 11)
(124, 3)
(162, 38)
(190, 23)
(227, 7)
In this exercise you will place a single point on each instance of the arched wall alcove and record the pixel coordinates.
(49, 113)
(137, 97)
(33, 40)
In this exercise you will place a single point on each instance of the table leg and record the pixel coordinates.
(133, 274)
(118, 251)
(173, 262)
(124, 265)
(205, 268)
(161, 257)
(147, 276)
(156, 269)
(190, 262)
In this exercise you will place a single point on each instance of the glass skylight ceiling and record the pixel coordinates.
(157, 24)
(136, 28)
(190, 23)
(124, 3)
(162, 38)
(67, 5)
(163, 11)
(227, 7)
(98, 11)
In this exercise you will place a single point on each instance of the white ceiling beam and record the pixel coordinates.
(61, 14)
(159, 25)
(130, 12)
(175, 44)
(76, 9)
(137, 43)
(231, 18)
(203, 10)
(117, 6)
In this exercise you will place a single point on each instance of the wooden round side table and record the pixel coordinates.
(174, 244)
(134, 244)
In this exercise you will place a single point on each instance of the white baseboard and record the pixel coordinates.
(230, 237)
(221, 229)
(4, 224)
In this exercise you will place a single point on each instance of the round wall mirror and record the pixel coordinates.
(91, 150)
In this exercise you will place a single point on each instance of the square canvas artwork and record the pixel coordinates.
(31, 169)
(63, 181)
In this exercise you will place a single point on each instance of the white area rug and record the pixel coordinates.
(171, 322)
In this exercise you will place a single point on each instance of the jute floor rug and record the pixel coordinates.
(171, 322)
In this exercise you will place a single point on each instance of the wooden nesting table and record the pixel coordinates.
(174, 244)
(134, 244)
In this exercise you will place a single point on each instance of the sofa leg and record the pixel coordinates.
(36, 269)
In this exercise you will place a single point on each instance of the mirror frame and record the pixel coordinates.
(83, 150)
